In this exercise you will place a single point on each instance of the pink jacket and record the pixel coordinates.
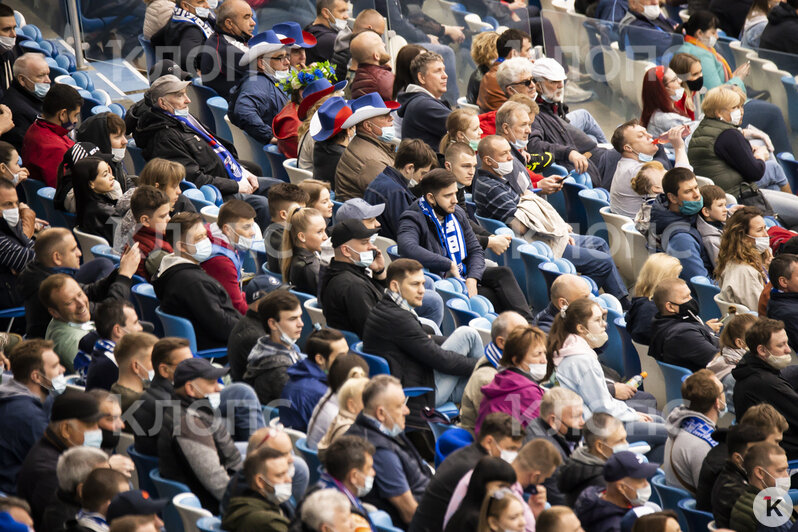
(512, 392)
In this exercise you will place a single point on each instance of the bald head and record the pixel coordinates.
(235, 18)
(367, 48)
(490, 145)
(503, 325)
(31, 68)
(567, 288)
(369, 19)
(269, 437)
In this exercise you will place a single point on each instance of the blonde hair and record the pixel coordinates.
(483, 48)
(351, 389)
(719, 99)
(534, 108)
(313, 187)
(657, 268)
(162, 173)
(298, 221)
(457, 121)
(641, 182)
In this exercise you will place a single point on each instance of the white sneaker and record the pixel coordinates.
(575, 94)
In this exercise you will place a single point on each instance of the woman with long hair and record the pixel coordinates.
(490, 473)
(502, 511)
(462, 125)
(732, 349)
(302, 241)
(577, 330)
(744, 258)
(755, 22)
(92, 179)
(523, 366)
(661, 89)
(402, 77)
(657, 268)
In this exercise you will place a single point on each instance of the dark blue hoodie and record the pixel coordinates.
(678, 237)
(307, 382)
(423, 117)
(23, 419)
(596, 514)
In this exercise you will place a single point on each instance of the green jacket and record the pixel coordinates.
(250, 511)
(66, 338)
(706, 162)
(713, 69)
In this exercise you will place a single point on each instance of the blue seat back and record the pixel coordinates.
(197, 198)
(311, 456)
(574, 209)
(200, 94)
(276, 159)
(144, 464)
(450, 441)
(481, 305)
(631, 361)
(107, 252)
(393, 252)
(490, 224)
(696, 519)
(537, 292)
(212, 194)
(512, 259)
(592, 201)
(790, 166)
(147, 301)
(674, 376)
(31, 187)
(706, 291)
(460, 311)
(218, 108)
(448, 291)
(167, 489)
(137, 156)
(177, 326)
(307, 322)
(669, 497)
(792, 100)
(56, 217)
(377, 364)
(612, 353)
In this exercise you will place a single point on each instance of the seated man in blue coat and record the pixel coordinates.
(393, 186)
(307, 379)
(257, 98)
(646, 29)
(423, 111)
(435, 231)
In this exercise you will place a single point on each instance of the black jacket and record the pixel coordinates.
(326, 155)
(639, 319)
(396, 335)
(417, 472)
(95, 130)
(781, 35)
(347, 296)
(62, 509)
(758, 382)
(732, 15)
(728, 487)
(540, 429)
(145, 415)
(784, 306)
(16, 250)
(423, 117)
(94, 218)
(242, 339)
(218, 62)
(102, 372)
(206, 304)
(682, 342)
(304, 271)
(159, 135)
(710, 469)
(176, 41)
(325, 43)
(114, 286)
(25, 107)
(432, 508)
(37, 480)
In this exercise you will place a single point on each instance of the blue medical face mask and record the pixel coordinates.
(388, 134)
(393, 431)
(691, 207)
(41, 89)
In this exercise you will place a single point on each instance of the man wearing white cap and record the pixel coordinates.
(168, 130)
(370, 151)
(569, 136)
(257, 99)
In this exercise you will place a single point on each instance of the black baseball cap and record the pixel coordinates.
(197, 368)
(74, 404)
(134, 502)
(627, 464)
(351, 229)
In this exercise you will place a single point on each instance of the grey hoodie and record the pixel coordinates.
(684, 452)
(710, 238)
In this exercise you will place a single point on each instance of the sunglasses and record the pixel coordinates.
(281, 58)
(526, 82)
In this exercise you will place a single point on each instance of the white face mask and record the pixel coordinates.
(537, 371)
(507, 456)
(11, 216)
(365, 258)
(678, 94)
(282, 492)
(505, 167)
(202, 250)
(202, 12)
(59, 384)
(215, 399)
(762, 243)
(181, 112)
(364, 490)
(118, 154)
(93, 438)
(712, 41)
(284, 338)
(642, 496)
(339, 24)
(281, 74)
(778, 362)
(736, 117)
(651, 12)
(7, 43)
(597, 340)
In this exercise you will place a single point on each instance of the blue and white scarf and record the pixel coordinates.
(181, 15)
(700, 429)
(450, 235)
(493, 354)
(232, 167)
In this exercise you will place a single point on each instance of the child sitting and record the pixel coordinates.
(283, 199)
(648, 184)
(150, 209)
(712, 219)
(231, 237)
(732, 349)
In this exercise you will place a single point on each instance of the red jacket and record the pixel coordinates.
(373, 78)
(43, 150)
(148, 241)
(224, 270)
(285, 127)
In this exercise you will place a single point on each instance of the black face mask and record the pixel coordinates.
(573, 435)
(696, 84)
(686, 308)
(110, 439)
(440, 212)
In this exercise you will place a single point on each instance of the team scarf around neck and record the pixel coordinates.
(181, 15)
(726, 68)
(450, 235)
(700, 429)
(232, 167)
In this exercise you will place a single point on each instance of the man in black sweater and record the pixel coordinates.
(24, 96)
(496, 438)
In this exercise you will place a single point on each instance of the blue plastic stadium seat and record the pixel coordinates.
(674, 376)
(144, 464)
(706, 291)
(218, 108)
(592, 201)
(670, 496)
(276, 159)
(167, 489)
(311, 456)
(183, 328)
(377, 365)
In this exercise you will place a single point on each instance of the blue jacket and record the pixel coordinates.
(680, 238)
(596, 514)
(255, 103)
(23, 419)
(423, 117)
(612, 10)
(784, 306)
(418, 240)
(646, 35)
(307, 382)
(545, 318)
(638, 319)
(390, 188)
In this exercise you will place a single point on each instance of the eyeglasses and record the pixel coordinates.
(526, 82)
(285, 58)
